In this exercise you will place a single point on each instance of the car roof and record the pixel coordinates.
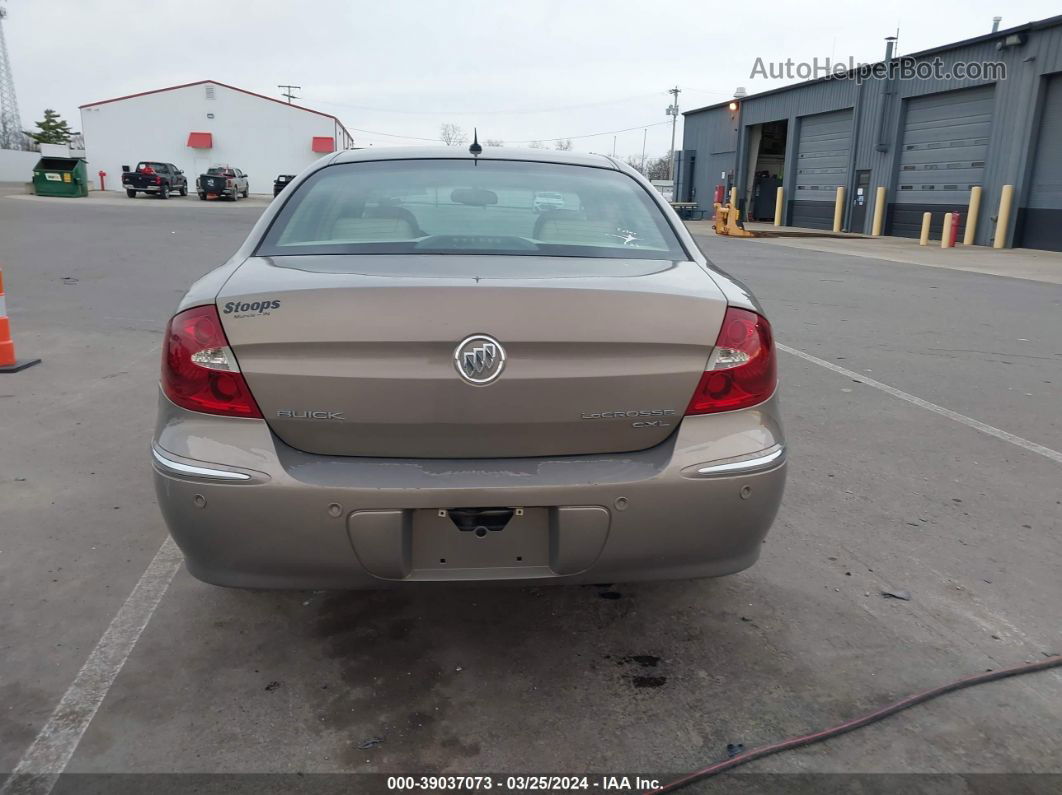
(462, 153)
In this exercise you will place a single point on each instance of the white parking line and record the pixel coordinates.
(39, 768)
(991, 430)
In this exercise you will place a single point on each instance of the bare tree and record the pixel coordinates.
(635, 162)
(658, 167)
(452, 135)
(536, 145)
(653, 168)
(494, 142)
(564, 145)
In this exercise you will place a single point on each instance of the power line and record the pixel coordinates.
(392, 135)
(528, 141)
(593, 135)
(708, 91)
(485, 112)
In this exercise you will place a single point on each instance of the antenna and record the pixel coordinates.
(288, 93)
(475, 148)
(11, 135)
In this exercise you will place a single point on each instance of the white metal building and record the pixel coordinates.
(197, 125)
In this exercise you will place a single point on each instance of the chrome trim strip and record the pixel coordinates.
(178, 468)
(747, 466)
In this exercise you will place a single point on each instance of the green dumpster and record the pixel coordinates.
(60, 176)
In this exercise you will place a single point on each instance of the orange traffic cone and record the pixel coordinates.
(8, 362)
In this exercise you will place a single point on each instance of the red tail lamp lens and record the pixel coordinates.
(741, 371)
(219, 388)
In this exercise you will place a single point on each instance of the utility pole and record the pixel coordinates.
(645, 134)
(288, 93)
(673, 111)
(11, 136)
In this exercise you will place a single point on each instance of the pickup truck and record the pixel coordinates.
(281, 182)
(151, 177)
(222, 181)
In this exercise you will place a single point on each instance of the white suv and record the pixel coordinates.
(548, 201)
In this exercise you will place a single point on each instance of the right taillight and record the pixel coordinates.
(199, 370)
(741, 371)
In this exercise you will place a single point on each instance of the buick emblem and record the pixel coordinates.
(479, 359)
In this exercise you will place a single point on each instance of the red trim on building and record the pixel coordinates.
(223, 85)
(200, 140)
(323, 144)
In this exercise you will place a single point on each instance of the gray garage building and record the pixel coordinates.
(927, 139)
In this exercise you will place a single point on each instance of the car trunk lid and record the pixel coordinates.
(600, 355)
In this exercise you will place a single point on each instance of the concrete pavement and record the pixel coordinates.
(115, 198)
(883, 495)
(1019, 263)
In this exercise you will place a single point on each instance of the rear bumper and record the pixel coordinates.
(248, 511)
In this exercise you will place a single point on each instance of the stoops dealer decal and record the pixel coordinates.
(241, 309)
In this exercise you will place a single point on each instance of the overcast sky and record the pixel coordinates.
(518, 71)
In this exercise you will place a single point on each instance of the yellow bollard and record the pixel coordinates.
(779, 206)
(923, 239)
(1006, 199)
(971, 217)
(838, 209)
(879, 211)
(945, 237)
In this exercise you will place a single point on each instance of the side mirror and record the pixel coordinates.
(126, 169)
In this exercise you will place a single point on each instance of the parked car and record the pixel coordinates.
(548, 200)
(398, 378)
(281, 182)
(160, 179)
(222, 181)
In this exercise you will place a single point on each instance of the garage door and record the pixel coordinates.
(822, 165)
(1040, 220)
(945, 141)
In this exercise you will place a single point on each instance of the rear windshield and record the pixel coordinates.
(153, 166)
(220, 172)
(471, 207)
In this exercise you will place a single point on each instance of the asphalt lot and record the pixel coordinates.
(882, 494)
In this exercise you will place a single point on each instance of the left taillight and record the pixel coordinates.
(741, 371)
(199, 370)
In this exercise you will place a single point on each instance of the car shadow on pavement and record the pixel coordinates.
(464, 678)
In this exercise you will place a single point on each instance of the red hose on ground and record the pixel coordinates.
(855, 723)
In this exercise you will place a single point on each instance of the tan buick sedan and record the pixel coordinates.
(415, 370)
